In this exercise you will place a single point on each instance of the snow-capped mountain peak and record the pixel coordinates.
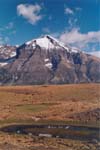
(48, 42)
(46, 61)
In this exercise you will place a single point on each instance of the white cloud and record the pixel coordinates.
(79, 39)
(69, 11)
(30, 12)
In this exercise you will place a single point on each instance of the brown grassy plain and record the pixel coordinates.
(52, 102)
(73, 104)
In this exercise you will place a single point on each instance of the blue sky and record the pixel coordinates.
(74, 22)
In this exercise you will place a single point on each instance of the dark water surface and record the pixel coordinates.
(58, 131)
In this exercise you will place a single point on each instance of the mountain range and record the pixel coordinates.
(46, 61)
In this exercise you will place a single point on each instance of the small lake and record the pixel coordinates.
(58, 131)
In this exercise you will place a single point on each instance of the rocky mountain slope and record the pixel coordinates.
(7, 53)
(47, 61)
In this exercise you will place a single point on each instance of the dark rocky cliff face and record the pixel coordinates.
(50, 66)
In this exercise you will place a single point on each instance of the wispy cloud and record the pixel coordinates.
(46, 30)
(4, 40)
(78, 9)
(5, 31)
(13, 32)
(72, 16)
(1, 40)
(75, 37)
(10, 25)
(30, 12)
(72, 22)
(69, 11)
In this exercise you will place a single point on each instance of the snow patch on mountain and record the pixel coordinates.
(47, 42)
(13, 54)
(48, 65)
(3, 64)
(74, 50)
(46, 60)
(7, 52)
(42, 42)
(1, 46)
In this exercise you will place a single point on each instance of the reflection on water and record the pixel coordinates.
(58, 131)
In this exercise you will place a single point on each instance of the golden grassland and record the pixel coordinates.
(60, 103)
(47, 104)
(26, 142)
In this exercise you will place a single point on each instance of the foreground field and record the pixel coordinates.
(26, 142)
(62, 104)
